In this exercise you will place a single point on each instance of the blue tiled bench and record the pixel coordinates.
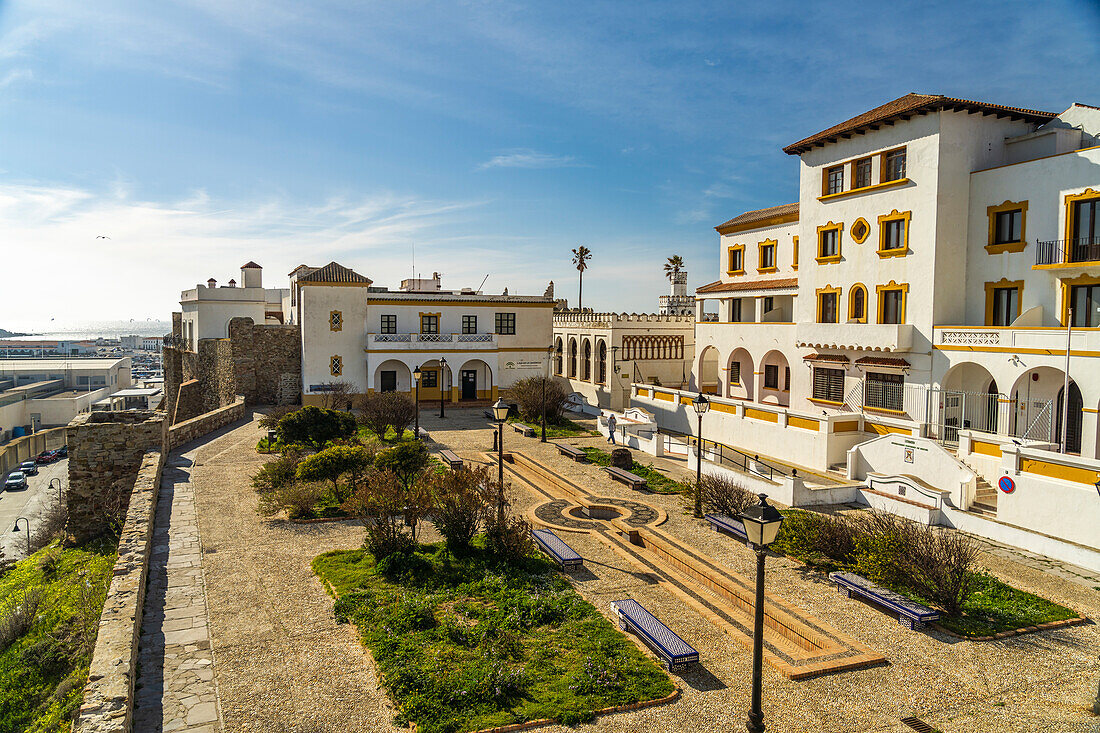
(722, 523)
(553, 546)
(675, 652)
(910, 613)
(526, 430)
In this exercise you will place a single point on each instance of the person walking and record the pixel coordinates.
(611, 429)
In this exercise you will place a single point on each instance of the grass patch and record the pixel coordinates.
(44, 660)
(564, 428)
(656, 481)
(464, 644)
(365, 434)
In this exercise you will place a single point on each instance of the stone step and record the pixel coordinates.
(984, 509)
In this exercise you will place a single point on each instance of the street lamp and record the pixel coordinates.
(416, 381)
(500, 412)
(761, 522)
(701, 404)
(442, 367)
(27, 523)
(549, 351)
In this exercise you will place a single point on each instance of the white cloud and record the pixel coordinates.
(526, 158)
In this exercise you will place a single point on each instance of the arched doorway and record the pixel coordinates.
(586, 361)
(1075, 418)
(393, 376)
(741, 382)
(475, 380)
(775, 379)
(601, 361)
(572, 358)
(708, 371)
(558, 357)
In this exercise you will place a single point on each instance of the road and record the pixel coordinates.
(30, 503)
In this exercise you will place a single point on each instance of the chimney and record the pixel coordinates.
(211, 283)
(232, 283)
(251, 275)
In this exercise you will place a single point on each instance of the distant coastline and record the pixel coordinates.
(87, 330)
(5, 334)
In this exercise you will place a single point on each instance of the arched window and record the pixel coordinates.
(586, 362)
(857, 304)
(572, 358)
(601, 355)
(558, 358)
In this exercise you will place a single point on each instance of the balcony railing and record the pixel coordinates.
(393, 337)
(1061, 251)
(475, 337)
(482, 340)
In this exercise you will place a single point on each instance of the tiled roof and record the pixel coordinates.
(399, 295)
(251, 265)
(838, 358)
(882, 361)
(335, 273)
(781, 214)
(902, 108)
(721, 287)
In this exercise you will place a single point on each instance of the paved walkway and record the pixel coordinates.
(175, 687)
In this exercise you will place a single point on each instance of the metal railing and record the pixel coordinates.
(434, 338)
(476, 337)
(727, 455)
(1058, 251)
(393, 337)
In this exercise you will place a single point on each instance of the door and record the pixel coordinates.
(388, 382)
(469, 384)
(952, 412)
(1074, 422)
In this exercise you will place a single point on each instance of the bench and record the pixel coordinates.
(575, 453)
(489, 414)
(675, 652)
(626, 477)
(555, 547)
(453, 462)
(423, 434)
(528, 431)
(722, 523)
(910, 613)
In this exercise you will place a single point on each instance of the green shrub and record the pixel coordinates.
(460, 504)
(297, 499)
(316, 426)
(351, 462)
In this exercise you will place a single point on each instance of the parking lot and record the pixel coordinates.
(31, 503)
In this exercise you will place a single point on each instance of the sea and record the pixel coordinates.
(87, 330)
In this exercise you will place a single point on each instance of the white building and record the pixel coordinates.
(678, 302)
(468, 345)
(41, 393)
(207, 309)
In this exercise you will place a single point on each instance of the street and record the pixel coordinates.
(30, 503)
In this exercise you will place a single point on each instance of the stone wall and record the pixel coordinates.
(264, 359)
(172, 360)
(109, 695)
(188, 402)
(105, 451)
(189, 430)
(215, 373)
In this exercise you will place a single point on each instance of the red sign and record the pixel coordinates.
(1006, 485)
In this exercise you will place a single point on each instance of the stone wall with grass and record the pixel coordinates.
(208, 422)
(109, 694)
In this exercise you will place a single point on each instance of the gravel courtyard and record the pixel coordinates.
(283, 664)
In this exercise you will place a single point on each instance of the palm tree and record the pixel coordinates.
(673, 266)
(581, 256)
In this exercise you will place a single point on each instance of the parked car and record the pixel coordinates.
(62, 452)
(15, 480)
(46, 456)
(28, 468)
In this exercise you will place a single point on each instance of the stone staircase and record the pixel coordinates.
(985, 499)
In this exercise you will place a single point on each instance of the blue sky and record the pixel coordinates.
(492, 137)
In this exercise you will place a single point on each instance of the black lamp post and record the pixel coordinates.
(761, 522)
(416, 401)
(549, 351)
(27, 523)
(442, 368)
(701, 405)
(500, 412)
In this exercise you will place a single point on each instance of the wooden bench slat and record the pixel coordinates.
(625, 477)
(453, 462)
(575, 453)
(675, 651)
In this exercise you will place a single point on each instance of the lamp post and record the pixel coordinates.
(442, 369)
(500, 412)
(549, 351)
(27, 523)
(701, 404)
(416, 401)
(761, 522)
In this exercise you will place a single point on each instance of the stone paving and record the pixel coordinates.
(175, 689)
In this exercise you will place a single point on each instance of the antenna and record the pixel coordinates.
(479, 287)
(412, 245)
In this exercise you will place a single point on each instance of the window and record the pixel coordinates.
(857, 304)
(1086, 230)
(893, 234)
(429, 378)
(1085, 300)
(828, 242)
(834, 179)
(860, 229)
(829, 384)
(794, 262)
(1008, 226)
(771, 376)
(469, 324)
(506, 324)
(1007, 223)
(389, 324)
(861, 173)
(735, 310)
(336, 366)
(335, 321)
(893, 165)
(826, 305)
(884, 391)
(1006, 306)
(769, 304)
(429, 323)
(735, 264)
(891, 302)
(735, 372)
(787, 378)
(767, 256)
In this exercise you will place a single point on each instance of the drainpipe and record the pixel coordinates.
(1065, 389)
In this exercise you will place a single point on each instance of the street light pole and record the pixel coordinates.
(442, 371)
(701, 404)
(549, 351)
(500, 412)
(27, 524)
(416, 380)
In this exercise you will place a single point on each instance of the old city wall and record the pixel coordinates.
(196, 427)
(266, 359)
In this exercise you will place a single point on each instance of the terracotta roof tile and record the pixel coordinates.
(781, 214)
(882, 361)
(334, 273)
(251, 265)
(721, 287)
(908, 105)
(838, 358)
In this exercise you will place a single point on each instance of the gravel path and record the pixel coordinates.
(282, 664)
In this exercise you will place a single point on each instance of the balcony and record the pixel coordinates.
(1067, 252)
(1048, 341)
(856, 336)
(429, 341)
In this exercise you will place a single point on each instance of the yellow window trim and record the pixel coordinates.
(1067, 286)
(438, 321)
(335, 321)
(884, 410)
(880, 290)
(894, 215)
(882, 164)
(336, 365)
(991, 212)
(866, 230)
(729, 253)
(865, 189)
(824, 291)
(794, 242)
(819, 401)
(851, 297)
(760, 255)
(1004, 282)
(839, 232)
(1071, 199)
